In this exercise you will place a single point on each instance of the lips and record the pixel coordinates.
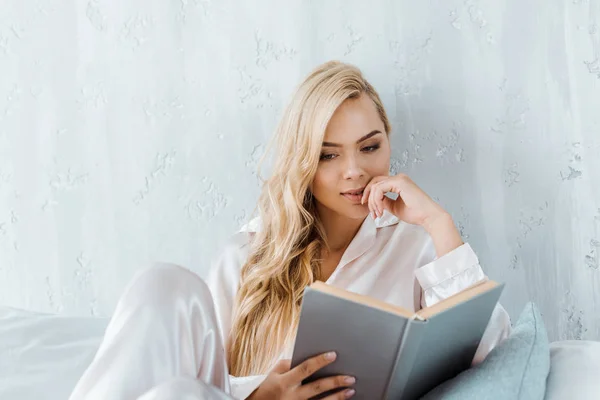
(354, 192)
(354, 195)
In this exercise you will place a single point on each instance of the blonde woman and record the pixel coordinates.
(323, 215)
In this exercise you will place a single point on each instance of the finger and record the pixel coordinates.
(365, 195)
(372, 209)
(297, 374)
(393, 185)
(381, 202)
(389, 204)
(344, 394)
(324, 385)
(282, 366)
(373, 198)
(377, 198)
(376, 182)
(369, 186)
(369, 199)
(366, 192)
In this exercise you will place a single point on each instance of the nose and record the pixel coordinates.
(352, 169)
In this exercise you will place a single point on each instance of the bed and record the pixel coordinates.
(43, 355)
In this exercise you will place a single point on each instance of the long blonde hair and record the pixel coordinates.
(285, 254)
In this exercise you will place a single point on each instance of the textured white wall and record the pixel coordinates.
(130, 132)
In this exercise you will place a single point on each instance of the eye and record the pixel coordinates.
(370, 149)
(325, 157)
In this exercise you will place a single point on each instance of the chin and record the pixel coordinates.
(359, 212)
(353, 211)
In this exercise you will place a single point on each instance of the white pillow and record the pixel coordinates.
(42, 356)
(574, 370)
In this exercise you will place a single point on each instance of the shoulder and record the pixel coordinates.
(236, 248)
(226, 264)
(233, 253)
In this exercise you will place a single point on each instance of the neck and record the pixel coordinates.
(339, 230)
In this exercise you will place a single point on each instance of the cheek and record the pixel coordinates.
(379, 165)
(323, 183)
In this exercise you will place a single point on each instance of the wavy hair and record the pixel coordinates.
(285, 254)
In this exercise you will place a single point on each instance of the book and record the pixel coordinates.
(394, 353)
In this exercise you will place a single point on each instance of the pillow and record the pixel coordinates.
(516, 369)
(42, 356)
(575, 370)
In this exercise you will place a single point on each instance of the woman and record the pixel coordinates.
(323, 215)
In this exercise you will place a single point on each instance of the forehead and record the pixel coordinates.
(353, 119)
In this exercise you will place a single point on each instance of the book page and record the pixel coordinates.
(457, 298)
(422, 314)
(362, 299)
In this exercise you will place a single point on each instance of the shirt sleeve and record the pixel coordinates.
(242, 387)
(223, 281)
(450, 274)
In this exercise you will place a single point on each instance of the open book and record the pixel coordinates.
(394, 353)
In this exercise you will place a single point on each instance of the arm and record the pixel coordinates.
(223, 281)
(452, 267)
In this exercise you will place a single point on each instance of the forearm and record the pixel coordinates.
(444, 234)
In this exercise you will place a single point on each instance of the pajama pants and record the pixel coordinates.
(163, 342)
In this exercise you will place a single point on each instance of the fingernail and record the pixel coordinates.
(349, 380)
(330, 355)
(349, 393)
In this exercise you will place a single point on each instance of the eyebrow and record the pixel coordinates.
(362, 139)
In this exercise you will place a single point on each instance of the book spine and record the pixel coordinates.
(405, 359)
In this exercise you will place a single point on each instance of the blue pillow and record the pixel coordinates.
(516, 369)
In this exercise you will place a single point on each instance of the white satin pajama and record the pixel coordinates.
(165, 340)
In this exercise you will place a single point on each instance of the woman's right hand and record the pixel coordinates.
(285, 383)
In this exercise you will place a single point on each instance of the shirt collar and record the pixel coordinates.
(387, 219)
(362, 241)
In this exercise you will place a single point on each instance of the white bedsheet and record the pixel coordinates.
(574, 371)
(42, 356)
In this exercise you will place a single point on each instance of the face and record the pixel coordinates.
(355, 150)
